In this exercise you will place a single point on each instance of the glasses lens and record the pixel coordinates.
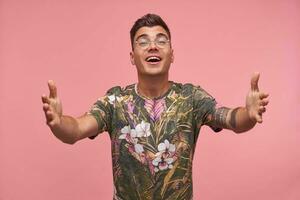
(160, 42)
(143, 43)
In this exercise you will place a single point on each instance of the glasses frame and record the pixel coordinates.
(150, 42)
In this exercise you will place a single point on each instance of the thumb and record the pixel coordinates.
(52, 89)
(254, 81)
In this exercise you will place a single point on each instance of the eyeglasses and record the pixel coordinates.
(160, 42)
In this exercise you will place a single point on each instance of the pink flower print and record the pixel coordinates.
(165, 157)
(130, 107)
(155, 108)
(150, 164)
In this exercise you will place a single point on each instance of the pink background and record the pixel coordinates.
(84, 46)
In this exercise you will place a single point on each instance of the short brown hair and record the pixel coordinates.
(148, 20)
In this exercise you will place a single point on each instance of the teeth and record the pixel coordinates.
(153, 58)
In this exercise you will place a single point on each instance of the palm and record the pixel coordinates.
(55, 105)
(52, 106)
(256, 100)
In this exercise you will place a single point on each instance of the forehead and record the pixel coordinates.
(151, 32)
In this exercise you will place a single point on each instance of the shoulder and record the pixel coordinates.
(120, 91)
(189, 89)
(115, 94)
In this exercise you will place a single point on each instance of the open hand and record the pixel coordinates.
(52, 106)
(256, 100)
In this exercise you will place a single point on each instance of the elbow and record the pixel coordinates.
(239, 131)
(70, 141)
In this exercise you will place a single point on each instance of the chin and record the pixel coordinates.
(153, 69)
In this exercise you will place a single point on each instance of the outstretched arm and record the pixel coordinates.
(242, 119)
(66, 128)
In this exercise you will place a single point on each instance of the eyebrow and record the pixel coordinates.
(157, 35)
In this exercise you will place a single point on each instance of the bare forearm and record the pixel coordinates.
(67, 130)
(242, 119)
(239, 121)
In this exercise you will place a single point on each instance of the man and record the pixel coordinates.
(154, 124)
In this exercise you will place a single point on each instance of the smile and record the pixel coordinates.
(153, 60)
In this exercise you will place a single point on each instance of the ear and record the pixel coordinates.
(132, 58)
(172, 55)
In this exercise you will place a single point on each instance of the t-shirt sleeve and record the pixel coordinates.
(205, 110)
(102, 111)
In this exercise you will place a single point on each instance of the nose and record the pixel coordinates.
(152, 45)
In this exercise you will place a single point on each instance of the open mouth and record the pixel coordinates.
(153, 59)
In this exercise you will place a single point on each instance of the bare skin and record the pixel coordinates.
(242, 119)
(66, 128)
(153, 81)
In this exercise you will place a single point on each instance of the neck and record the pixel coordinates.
(153, 87)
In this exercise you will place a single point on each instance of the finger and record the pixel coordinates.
(45, 99)
(49, 116)
(46, 107)
(51, 123)
(50, 119)
(264, 102)
(263, 95)
(254, 81)
(261, 110)
(258, 118)
(52, 89)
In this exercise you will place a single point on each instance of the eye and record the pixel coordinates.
(162, 41)
(143, 42)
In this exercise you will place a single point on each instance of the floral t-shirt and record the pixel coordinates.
(153, 140)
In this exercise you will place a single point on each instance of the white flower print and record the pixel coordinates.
(164, 157)
(112, 99)
(162, 164)
(166, 146)
(125, 130)
(143, 129)
(128, 134)
(132, 136)
(138, 148)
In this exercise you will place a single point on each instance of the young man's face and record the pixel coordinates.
(152, 53)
